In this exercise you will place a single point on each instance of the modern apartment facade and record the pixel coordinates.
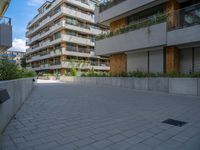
(150, 35)
(5, 27)
(62, 37)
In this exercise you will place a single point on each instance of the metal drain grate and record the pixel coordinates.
(175, 122)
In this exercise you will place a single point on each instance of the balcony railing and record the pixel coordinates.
(108, 4)
(185, 17)
(5, 20)
(156, 19)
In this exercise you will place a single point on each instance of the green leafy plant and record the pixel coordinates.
(140, 74)
(10, 71)
(73, 72)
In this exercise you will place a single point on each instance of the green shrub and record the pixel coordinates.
(10, 71)
(140, 74)
(93, 73)
(73, 72)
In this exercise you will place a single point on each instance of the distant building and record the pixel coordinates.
(5, 27)
(62, 36)
(13, 56)
(150, 35)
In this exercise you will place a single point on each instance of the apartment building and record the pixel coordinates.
(62, 37)
(5, 27)
(150, 35)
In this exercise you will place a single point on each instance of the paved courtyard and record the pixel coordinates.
(62, 116)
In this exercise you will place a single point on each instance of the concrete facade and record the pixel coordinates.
(183, 36)
(140, 27)
(18, 91)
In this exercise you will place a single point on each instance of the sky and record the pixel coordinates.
(21, 12)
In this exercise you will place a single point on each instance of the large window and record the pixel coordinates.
(147, 14)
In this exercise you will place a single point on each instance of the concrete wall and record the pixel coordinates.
(183, 86)
(198, 87)
(152, 36)
(183, 36)
(18, 91)
(187, 86)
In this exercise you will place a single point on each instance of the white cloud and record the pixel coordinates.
(19, 45)
(35, 2)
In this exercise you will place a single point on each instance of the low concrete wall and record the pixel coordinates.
(198, 87)
(18, 91)
(183, 86)
(141, 83)
(188, 86)
(158, 84)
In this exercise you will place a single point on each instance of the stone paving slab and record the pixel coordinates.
(62, 116)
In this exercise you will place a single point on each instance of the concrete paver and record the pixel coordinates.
(66, 116)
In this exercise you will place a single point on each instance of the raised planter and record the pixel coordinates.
(141, 83)
(18, 91)
(127, 83)
(198, 87)
(116, 81)
(187, 86)
(158, 84)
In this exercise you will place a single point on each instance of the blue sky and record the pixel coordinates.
(21, 12)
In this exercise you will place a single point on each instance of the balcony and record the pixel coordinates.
(39, 16)
(62, 24)
(143, 34)
(84, 65)
(44, 45)
(54, 53)
(78, 40)
(77, 14)
(52, 29)
(5, 33)
(64, 10)
(81, 4)
(56, 3)
(43, 23)
(64, 37)
(186, 29)
(79, 54)
(112, 10)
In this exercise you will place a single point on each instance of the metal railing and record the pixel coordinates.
(5, 20)
(185, 17)
(108, 4)
(156, 19)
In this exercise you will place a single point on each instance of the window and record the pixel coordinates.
(57, 35)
